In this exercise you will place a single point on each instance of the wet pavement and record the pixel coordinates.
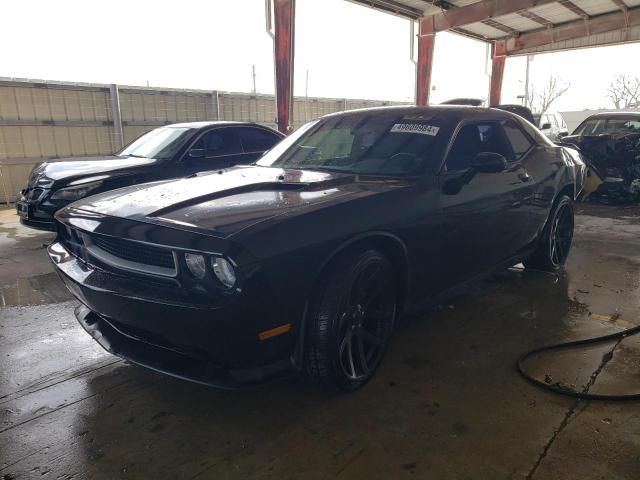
(446, 403)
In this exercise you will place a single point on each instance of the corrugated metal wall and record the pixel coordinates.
(48, 120)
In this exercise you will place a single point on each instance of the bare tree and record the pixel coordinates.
(624, 91)
(541, 101)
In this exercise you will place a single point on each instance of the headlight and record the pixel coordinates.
(76, 192)
(222, 268)
(224, 271)
(196, 264)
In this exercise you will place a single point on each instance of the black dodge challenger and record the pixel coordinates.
(171, 151)
(305, 260)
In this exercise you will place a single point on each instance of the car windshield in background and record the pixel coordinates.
(600, 126)
(161, 143)
(366, 144)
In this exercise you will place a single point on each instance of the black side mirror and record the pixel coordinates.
(196, 153)
(489, 162)
(545, 126)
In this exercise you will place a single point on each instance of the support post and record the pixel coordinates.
(118, 133)
(284, 16)
(498, 57)
(215, 104)
(426, 43)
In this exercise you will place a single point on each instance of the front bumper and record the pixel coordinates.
(38, 224)
(37, 212)
(159, 328)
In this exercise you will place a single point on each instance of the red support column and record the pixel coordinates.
(284, 15)
(426, 42)
(499, 51)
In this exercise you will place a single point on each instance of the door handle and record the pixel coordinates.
(524, 177)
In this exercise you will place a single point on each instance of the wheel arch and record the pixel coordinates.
(390, 244)
(568, 189)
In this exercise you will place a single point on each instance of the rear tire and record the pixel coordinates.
(554, 245)
(350, 321)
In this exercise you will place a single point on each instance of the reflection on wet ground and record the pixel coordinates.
(446, 402)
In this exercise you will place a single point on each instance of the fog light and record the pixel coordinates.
(195, 264)
(224, 271)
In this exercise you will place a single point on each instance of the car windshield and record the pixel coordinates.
(600, 126)
(371, 143)
(161, 143)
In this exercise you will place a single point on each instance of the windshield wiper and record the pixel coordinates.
(321, 168)
(136, 156)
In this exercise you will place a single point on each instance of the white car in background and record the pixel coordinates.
(552, 125)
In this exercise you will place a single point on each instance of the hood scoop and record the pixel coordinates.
(256, 187)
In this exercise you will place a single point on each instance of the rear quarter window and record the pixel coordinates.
(520, 142)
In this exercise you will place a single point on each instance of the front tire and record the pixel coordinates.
(351, 318)
(553, 248)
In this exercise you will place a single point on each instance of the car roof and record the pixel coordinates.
(452, 112)
(614, 115)
(218, 123)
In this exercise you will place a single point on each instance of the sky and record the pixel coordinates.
(348, 51)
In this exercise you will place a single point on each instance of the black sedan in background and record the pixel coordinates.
(305, 260)
(167, 152)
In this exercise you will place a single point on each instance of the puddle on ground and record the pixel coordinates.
(36, 290)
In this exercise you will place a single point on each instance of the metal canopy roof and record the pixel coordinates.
(526, 26)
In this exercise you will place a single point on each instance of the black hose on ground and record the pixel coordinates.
(565, 390)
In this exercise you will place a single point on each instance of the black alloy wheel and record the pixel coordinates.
(561, 235)
(352, 320)
(553, 249)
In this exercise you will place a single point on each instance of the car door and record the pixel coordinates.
(484, 214)
(255, 141)
(214, 149)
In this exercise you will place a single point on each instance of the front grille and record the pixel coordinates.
(118, 253)
(71, 239)
(134, 251)
(35, 194)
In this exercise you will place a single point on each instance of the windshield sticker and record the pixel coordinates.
(415, 128)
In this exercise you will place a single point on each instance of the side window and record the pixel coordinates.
(476, 138)
(218, 142)
(519, 141)
(256, 139)
(632, 125)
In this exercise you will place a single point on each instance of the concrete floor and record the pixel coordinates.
(446, 403)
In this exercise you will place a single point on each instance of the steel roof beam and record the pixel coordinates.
(392, 7)
(568, 4)
(534, 17)
(621, 5)
(499, 26)
(477, 12)
(607, 22)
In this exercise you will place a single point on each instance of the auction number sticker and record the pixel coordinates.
(415, 128)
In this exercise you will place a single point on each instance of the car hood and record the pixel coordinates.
(226, 202)
(62, 172)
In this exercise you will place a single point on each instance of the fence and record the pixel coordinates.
(49, 120)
